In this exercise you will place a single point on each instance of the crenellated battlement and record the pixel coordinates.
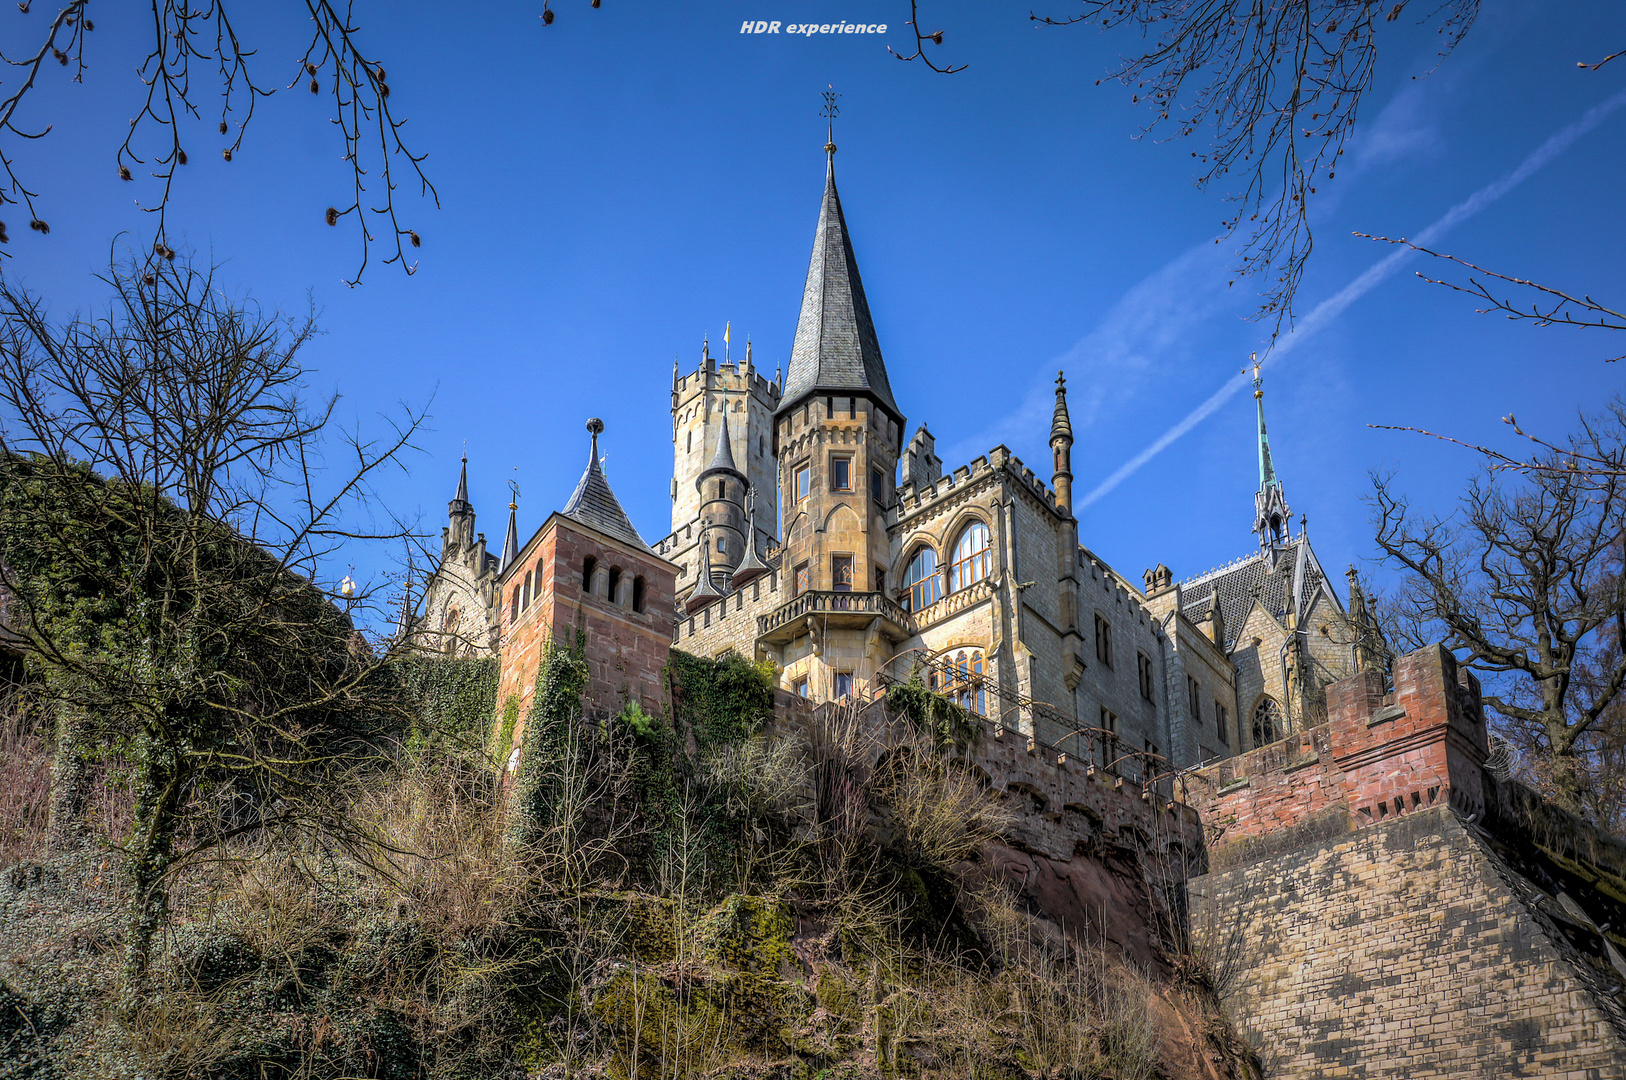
(1379, 755)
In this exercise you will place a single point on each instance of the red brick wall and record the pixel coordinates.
(1378, 756)
(625, 650)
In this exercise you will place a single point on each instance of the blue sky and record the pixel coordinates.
(619, 185)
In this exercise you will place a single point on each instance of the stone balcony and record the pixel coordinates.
(835, 610)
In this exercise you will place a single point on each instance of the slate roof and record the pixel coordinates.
(593, 504)
(723, 459)
(836, 350)
(1237, 584)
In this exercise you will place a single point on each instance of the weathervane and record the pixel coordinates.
(513, 492)
(830, 111)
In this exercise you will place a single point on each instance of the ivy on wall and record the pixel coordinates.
(721, 700)
(933, 714)
(451, 695)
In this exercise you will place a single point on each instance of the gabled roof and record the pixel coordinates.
(1236, 586)
(594, 505)
(836, 350)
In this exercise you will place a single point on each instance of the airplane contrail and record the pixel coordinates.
(1369, 279)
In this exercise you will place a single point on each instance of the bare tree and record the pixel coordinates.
(171, 506)
(1278, 85)
(195, 51)
(1524, 584)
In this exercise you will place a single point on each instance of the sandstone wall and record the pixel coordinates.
(1401, 950)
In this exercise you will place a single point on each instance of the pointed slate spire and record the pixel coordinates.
(836, 350)
(722, 460)
(704, 591)
(751, 567)
(510, 544)
(593, 503)
(1272, 516)
(462, 496)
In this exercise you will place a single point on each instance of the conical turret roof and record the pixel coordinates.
(723, 459)
(836, 350)
(510, 544)
(593, 503)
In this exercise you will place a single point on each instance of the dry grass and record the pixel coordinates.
(25, 778)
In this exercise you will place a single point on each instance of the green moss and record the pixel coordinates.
(656, 1033)
(750, 937)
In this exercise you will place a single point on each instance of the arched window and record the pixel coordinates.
(513, 605)
(589, 566)
(960, 678)
(972, 559)
(638, 593)
(1267, 722)
(614, 584)
(922, 584)
(525, 594)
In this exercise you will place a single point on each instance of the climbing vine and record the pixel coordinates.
(721, 700)
(934, 715)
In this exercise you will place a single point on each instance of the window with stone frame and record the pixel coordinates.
(973, 557)
(799, 580)
(589, 566)
(1267, 722)
(802, 481)
(613, 585)
(1103, 639)
(799, 687)
(959, 676)
(1143, 667)
(841, 573)
(877, 486)
(1222, 720)
(844, 684)
(638, 593)
(880, 579)
(841, 472)
(922, 584)
(1108, 739)
(1194, 699)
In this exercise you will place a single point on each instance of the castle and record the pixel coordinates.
(810, 528)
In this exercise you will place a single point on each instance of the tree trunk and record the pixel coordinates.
(152, 850)
(70, 782)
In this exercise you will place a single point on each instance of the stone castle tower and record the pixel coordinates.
(722, 464)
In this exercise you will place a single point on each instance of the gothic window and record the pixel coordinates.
(973, 560)
(1103, 640)
(589, 566)
(841, 473)
(841, 573)
(962, 680)
(923, 585)
(614, 585)
(449, 627)
(513, 605)
(1143, 664)
(1267, 722)
(525, 596)
(638, 593)
(799, 584)
(803, 475)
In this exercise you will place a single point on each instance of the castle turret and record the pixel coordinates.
(459, 533)
(700, 400)
(722, 487)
